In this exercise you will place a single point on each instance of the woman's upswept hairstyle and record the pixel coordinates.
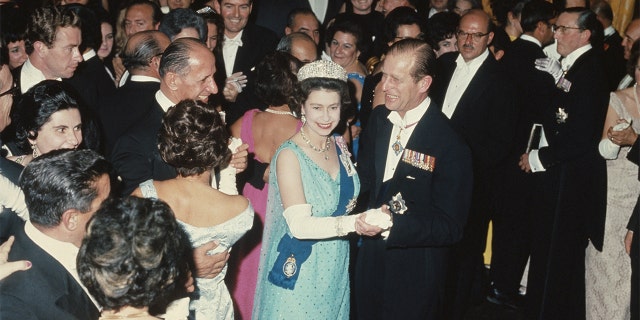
(193, 139)
(134, 253)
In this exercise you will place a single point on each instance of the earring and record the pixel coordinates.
(36, 152)
(303, 119)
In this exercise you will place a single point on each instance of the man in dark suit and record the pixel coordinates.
(244, 45)
(571, 205)
(475, 93)
(510, 240)
(141, 57)
(413, 160)
(631, 34)
(62, 190)
(272, 14)
(91, 80)
(614, 62)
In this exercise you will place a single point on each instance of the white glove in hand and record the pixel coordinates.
(608, 149)
(304, 226)
(379, 219)
(550, 66)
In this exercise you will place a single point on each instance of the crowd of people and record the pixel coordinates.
(232, 159)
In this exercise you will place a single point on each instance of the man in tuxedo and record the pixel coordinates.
(413, 161)
(186, 70)
(305, 21)
(510, 240)
(244, 45)
(571, 205)
(630, 36)
(141, 56)
(91, 80)
(63, 189)
(272, 14)
(614, 62)
(53, 40)
(478, 97)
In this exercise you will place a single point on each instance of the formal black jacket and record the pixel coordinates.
(273, 14)
(135, 156)
(46, 291)
(403, 277)
(128, 106)
(256, 43)
(92, 82)
(614, 63)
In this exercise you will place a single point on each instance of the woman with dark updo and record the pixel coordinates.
(194, 140)
(134, 255)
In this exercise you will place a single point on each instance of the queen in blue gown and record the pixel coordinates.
(313, 185)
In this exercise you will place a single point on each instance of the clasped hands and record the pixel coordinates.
(374, 221)
(620, 135)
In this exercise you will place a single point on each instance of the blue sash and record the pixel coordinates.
(294, 252)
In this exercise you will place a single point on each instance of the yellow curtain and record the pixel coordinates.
(622, 13)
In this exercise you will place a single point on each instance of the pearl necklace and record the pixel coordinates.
(324, 150)
(269, 110)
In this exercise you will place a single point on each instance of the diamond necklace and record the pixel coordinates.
(323, 150)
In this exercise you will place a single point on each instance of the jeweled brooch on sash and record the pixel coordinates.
(290, 267)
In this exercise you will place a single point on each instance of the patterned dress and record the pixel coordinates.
(322, 287)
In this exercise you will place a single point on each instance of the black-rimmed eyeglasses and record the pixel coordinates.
(475, 36)
(563, 29)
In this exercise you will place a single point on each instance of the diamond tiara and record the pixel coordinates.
(322, 69)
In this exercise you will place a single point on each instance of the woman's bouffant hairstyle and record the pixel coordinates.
(134, 253)
(36, 106)
(193, 139)
(276, 80)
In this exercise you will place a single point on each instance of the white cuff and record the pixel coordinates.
(608, 149)
(534, 162)
(227, 182)
(304, 226)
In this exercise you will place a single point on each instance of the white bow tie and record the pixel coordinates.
(233, 42)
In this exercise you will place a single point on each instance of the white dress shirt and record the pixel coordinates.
(408, 124)
(460, 81)
(30, 76)
(229, 51)
(319, 7)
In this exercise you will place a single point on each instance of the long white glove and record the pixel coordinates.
(227, 183)
(608, 149)
(12, 197)
(550, 66)
(304, 226)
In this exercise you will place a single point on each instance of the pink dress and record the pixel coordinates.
(244, 261)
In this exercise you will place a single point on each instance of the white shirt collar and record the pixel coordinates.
(529, 38)
(63, 252)
(609, 31)
(164, 102)
(568, 61)
(237, 37)
(30, 76)
(141, 78)
(410, 117)
(88, 55)
(475, 62)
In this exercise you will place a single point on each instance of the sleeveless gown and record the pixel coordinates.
(322, 287)
(214, 301)
(608, 273)
(246, 258)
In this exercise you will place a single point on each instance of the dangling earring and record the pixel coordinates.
(36, 152)
(303, 119)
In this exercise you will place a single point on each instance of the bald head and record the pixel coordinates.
(299, 45)
(630, 36)
(141, 55)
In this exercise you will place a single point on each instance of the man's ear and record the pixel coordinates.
(173, 80)
(425, 83)
(40, 48)
(69, 219)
